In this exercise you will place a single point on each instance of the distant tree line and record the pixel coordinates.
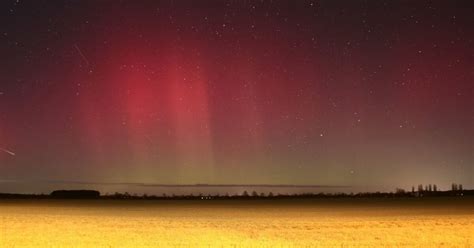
(432, 190)
(426, 191)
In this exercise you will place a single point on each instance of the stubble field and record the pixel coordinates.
(301, 223)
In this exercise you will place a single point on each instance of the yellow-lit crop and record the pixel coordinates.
(192, 224)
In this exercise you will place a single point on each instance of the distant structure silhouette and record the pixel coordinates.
(75, 194)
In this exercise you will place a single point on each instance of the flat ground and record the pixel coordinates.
(446, 222)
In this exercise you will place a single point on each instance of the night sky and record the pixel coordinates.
(368, 94)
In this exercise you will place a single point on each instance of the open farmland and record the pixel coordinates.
(443, 222)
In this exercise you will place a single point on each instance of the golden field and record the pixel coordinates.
(300, 223)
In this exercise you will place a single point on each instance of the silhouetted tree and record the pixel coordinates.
(270, 194)
(254, 194)
(245, 194)
(460, 187)
(412, 189)
(454, 187)
(430, 188)
(435, 188)
(420, 187)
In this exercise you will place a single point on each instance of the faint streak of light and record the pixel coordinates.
(81, 54)
(7, 151)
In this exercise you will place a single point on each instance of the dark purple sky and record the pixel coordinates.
(371, 94)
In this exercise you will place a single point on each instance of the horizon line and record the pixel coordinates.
(164, 185)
